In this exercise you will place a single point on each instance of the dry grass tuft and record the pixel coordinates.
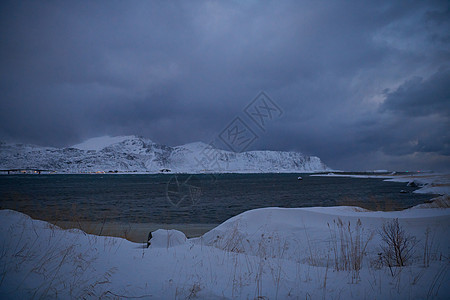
(348, 246)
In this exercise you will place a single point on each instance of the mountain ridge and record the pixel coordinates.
(138, 154)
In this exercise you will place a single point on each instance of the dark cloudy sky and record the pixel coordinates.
(361, 85)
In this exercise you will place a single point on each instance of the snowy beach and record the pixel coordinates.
(269, 253)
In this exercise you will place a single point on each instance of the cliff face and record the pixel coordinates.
(131, 153)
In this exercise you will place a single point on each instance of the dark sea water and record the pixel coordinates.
(195, 199)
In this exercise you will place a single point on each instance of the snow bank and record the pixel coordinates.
(300, 229)
(265, 253)
(429, 184)
(167, 238)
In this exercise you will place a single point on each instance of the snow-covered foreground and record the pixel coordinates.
(265, 253)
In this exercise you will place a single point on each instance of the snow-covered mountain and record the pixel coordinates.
(132, 153)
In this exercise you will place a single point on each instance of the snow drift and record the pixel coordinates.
(260, 254)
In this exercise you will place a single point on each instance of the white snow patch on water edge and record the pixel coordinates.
(427, 183)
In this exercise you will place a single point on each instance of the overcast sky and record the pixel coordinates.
(361, 85)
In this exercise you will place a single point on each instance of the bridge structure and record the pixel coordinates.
(26, 171)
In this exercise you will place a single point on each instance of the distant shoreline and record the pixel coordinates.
(428, 183)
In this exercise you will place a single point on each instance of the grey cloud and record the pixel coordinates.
(178, 72)
(419, 97)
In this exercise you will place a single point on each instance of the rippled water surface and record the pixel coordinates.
(206, 199)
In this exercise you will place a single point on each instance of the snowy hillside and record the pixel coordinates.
(99, 143)
(136, 154)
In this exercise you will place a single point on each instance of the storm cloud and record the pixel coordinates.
(361, 85)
